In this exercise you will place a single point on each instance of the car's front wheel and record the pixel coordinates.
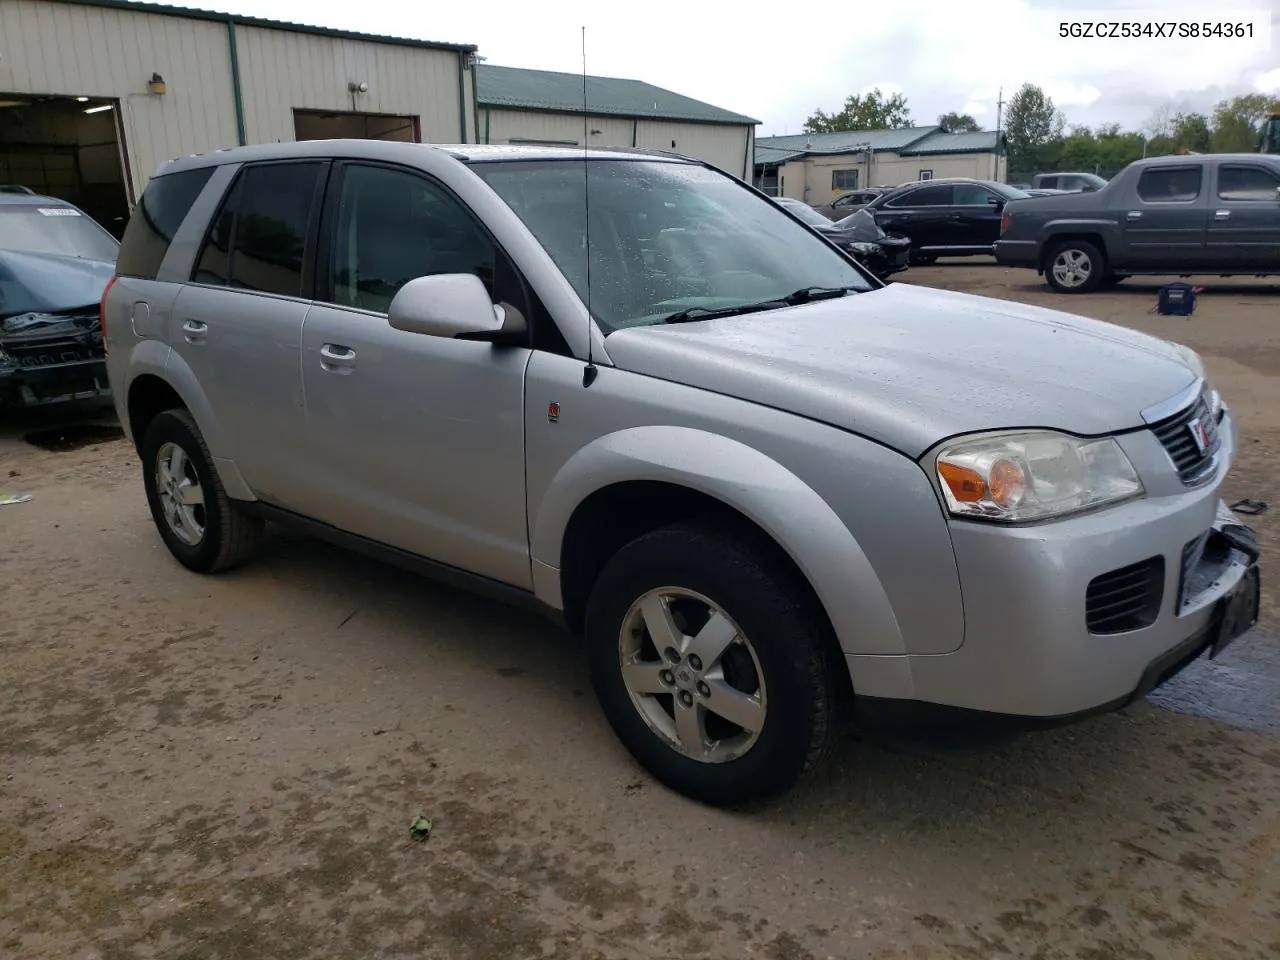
(712, 664)
(1075, 266)
(198, 522)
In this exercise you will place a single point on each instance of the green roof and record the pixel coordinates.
(191, 13)
(983, 141)
(521, 89)
(906, 141)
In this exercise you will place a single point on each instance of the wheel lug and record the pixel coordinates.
(666, 677)
(672, 654)
(703, 689)
(696, 662)
(686, 698)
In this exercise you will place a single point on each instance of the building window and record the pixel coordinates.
(925, 175)
(844, 180)
(768, 182)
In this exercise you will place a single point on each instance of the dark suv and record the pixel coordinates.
(945, 218)
(55, 262)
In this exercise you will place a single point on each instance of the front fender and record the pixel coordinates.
(761, 489)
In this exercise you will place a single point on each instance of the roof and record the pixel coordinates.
(30, 199)
(191, 13)
(982, 141)
(907, 141)
(521, 89)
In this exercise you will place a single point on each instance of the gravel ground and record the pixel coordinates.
(199, 768)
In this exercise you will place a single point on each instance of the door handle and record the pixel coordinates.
(956, 217)
(335, 357)
(193, 330)
(1133, 215)
(1222, 215)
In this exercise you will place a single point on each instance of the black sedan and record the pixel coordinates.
(858, 235)
(945, 218)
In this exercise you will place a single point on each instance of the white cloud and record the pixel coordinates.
(1269, 82)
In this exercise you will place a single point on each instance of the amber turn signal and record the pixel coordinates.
(966, 485)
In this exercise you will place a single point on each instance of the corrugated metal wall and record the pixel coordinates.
(85, 51)
(280, 71)
(719, 144)
(723, 145)
(67, 49)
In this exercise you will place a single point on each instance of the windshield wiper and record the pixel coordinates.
(803, 295)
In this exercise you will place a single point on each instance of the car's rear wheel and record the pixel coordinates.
(1075, 266)
(712, 664)
(198, 522)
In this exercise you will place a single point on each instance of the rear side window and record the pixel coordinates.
(258, 239)
(164, 205)
(972, 195)
(1169, 184)
(938, 196)
(1048, 183)
(1247, 183)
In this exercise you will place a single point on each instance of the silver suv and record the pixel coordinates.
(634, 392)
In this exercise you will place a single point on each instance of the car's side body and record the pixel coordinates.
(942, 217)
(1202, 214)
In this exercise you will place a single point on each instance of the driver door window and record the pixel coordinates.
(393, 226)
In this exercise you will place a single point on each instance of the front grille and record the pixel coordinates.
(51, 353)
(1125, 599)
(1192, 454)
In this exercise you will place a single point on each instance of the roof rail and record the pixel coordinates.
(17, 188)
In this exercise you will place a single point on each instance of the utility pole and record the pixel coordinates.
(999, 117)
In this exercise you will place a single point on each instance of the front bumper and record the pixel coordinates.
(38, 386)
(1029, 650)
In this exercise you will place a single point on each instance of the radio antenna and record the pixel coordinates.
(589, 372)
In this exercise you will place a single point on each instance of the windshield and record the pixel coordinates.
(31, 228)
(665, 237)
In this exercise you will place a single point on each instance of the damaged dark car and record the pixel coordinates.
(55, 262)
(858, 235)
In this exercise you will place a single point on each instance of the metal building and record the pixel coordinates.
(95, 94)
(540, 106)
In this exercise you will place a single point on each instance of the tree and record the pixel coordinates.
(1236, 121)
(1032, 127)
(959, 123)
(871, 111)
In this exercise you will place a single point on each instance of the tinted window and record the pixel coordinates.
(972, 195)
(394, 226)
(1169, 184)
(257, 240)
(1048, 183)
(164, 205)
(939, 196)
(1247, 183)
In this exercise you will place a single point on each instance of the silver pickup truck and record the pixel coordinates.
(1213, 214)
(636, 394)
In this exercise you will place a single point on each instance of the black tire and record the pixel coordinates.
(1095, 271)
(806, 692)
(923, 259)
(229, 536)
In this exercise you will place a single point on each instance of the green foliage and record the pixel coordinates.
(959, 123)
(872, 111)
(1033, 129)
(1236, 122)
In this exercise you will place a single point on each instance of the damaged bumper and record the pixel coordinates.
(51, 358)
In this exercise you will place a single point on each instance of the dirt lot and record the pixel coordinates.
(226, 768)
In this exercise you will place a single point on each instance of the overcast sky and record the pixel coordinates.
(780, 65)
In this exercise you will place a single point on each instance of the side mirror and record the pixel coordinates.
(452, 305)
(997, 202)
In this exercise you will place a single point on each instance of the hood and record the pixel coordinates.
(860, 227)
(909, 366)
(49, 283)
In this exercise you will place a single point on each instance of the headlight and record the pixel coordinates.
(866, 249)
(1033, 476)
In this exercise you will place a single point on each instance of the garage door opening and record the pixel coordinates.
(327, 125)
(67, 147)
